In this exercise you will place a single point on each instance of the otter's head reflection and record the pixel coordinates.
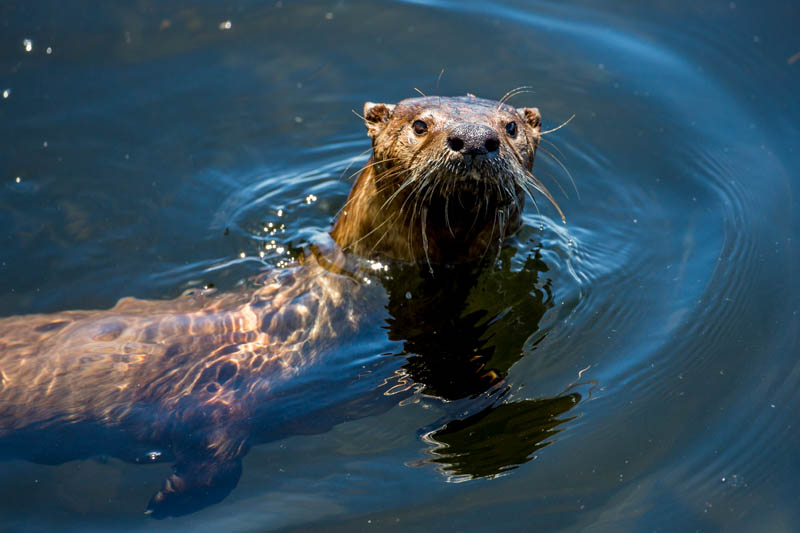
(498, 438)
(462, 329)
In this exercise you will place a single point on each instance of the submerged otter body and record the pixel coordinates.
(195, 378)
(202, 376)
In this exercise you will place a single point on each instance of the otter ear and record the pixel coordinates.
(376, 116)
(532, 117)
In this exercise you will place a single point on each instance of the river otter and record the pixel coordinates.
(446, 180)
(203, 377)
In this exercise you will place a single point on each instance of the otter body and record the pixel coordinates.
(202, 376)
(195, 379)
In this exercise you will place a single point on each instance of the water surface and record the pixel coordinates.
(148, 148)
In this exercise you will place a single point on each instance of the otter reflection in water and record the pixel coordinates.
(206, 376)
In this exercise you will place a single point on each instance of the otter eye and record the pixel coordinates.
(420, 128)
(511, 129)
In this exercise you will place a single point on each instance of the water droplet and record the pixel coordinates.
(27, 44)
(226, 25)
(242, 255)
(408, 295)
(6, 93)
(49, 50)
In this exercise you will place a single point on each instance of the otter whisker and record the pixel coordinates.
(425, 238)
(517, 92)
(539, 186)
(559, 126)
(352, 198)
(369, 165)
(477, 212)
(563, 167)
(409, 231)
(413, 179)
(520, 161)
(400, 189)
(385, 233)
(526, 188)
(491, 234)
(353, 160)
(513, 92)
(555, 147)
(373, 230)
(447, 215)
(420, 184)
(555, 180)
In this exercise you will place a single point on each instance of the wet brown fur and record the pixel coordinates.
(417, 200)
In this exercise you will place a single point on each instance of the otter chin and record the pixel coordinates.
(205, 376)
(446, 182)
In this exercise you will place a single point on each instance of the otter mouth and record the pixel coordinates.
(476, 167)
(470, 171)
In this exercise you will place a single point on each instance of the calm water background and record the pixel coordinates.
(134, 136)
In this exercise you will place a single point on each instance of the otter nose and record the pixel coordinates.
(473, 139)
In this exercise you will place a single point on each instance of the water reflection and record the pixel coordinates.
(462, 329)
(499, 438)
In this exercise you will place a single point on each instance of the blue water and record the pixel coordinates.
(147, 147)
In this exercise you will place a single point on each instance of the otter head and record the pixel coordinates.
(446, 181)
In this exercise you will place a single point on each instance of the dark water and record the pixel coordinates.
(147, 147)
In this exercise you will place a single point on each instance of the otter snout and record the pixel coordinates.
(473, 140)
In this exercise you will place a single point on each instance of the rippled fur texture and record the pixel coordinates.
(188, 376)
